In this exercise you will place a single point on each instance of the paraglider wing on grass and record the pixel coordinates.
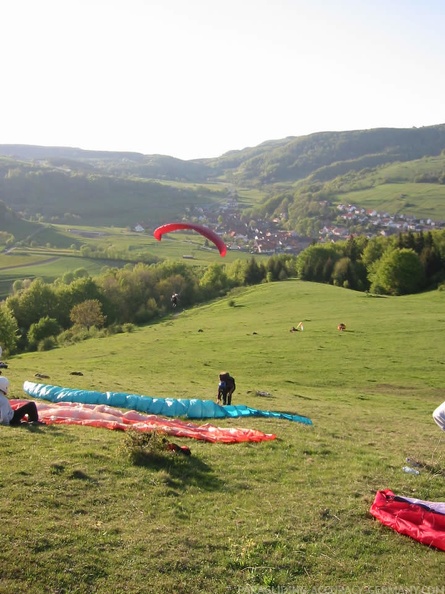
(168, 407)
(422, 520)
(205, 231)
(69, 413)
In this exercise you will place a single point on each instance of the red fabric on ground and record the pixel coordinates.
(417, 521)
(112, 418)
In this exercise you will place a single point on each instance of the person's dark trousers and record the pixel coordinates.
(29, 409)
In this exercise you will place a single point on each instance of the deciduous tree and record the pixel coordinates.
(88, 314)
(8, 329)
(398, 272)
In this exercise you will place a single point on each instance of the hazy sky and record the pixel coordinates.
(197, 78)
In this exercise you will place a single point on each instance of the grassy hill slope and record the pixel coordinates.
(414, 188)
(79, 516)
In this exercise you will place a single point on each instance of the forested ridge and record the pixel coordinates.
(63, 184)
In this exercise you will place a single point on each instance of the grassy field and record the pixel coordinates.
(408, 171)
(174, 245)
(415, 199)
(50, 266)
(16, 259)
(52, 262)
(79, 516)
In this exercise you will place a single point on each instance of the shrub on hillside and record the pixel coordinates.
(149, 449)
(48, 343)
(73, 335)
(38, 332)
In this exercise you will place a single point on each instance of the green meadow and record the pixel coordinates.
(50, 266)
(62, 252)
(415, 199)
(79, 515)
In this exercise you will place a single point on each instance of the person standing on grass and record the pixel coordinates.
(226, 388)
(8, 416)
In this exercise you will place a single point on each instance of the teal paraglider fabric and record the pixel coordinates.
(167, 407)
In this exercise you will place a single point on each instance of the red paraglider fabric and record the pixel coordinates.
(205, 231)
(418, 519)
(91, 415)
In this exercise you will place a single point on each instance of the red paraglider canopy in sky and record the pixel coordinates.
(205, 231)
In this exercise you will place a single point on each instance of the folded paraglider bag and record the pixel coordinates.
(421, 520)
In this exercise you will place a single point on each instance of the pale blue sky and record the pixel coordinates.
(197, 78)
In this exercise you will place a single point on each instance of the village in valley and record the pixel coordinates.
(376, 223)
(261, 236)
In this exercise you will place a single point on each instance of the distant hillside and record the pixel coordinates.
(121, 188)
(28, 152)
(108, 162)
(273, 161)
(83, 193)
(13, 227)
(295, 158)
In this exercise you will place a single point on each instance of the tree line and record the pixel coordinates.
(40, 315)
(77, 305)
(395, 265)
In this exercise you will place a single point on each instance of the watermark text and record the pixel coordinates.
(341, 590)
